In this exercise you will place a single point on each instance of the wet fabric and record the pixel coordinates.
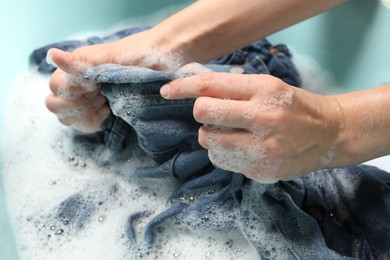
(258, 57)
(312, 216)
(329, 214)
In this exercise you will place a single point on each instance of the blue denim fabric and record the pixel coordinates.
(262, 57)
(287, 211)
(352, 208)
(329, 214)
(258, 57)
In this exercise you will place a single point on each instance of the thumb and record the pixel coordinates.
(74, 67)
(67, 61)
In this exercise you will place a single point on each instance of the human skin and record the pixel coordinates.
(221, 21)
(268, 130)
(276, 131)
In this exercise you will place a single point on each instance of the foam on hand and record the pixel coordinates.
(69, 202)
(49, 58)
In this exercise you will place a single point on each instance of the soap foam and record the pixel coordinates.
(314, 78)
(44, 169)
(249, 160)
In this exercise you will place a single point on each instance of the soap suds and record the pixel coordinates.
(67, 202)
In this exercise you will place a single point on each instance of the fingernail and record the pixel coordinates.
(164, 91)
(49, 58)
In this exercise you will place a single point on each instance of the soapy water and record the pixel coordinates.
(66, 203)
(44, 172)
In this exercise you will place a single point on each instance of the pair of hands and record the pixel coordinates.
(253, 124)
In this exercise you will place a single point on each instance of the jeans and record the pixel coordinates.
(258, 57)
(301, 218)
(328, 214)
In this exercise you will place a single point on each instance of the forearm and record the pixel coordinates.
(365, 131)
(209, 29)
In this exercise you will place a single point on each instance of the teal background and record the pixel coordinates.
(351, 41)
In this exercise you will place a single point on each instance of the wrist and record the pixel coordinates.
(364, 132)
(146, 49)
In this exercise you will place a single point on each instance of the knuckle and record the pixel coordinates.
(50, 104)
(250, 115)
(271, 84)
(205, 82)
(203, 138)
(56, 80)
(274, 149)
(103, 113)
(199, 111)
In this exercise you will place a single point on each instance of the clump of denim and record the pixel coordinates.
(258, 57)
(328, 214)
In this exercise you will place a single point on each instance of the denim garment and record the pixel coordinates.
(329, 214)
(282, 212)
(352, 208)
(258, 57)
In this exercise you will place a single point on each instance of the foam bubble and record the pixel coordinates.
(192, 69)
(66, 200)
(72, 80)
(314, 78)
(249, 160)
(49, 58)
(279, 99)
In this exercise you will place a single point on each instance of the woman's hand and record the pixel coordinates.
(76, 101)
(260, 126)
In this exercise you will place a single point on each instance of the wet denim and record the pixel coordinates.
(300, 219)
(163, 127)
(352, 208)
(258, 57)
(328, 214)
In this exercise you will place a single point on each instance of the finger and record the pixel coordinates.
(74, 66)
(222, 112)
(211, 137)
(88, 123)
(61, 86)
(82, 106)
(67, 61)
(211, 84)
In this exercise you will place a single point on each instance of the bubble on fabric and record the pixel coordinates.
(79, 79)
(67, 199)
